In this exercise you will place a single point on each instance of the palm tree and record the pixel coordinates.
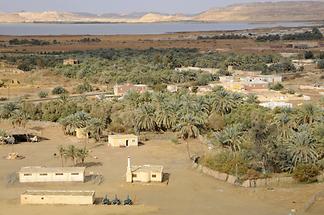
(189, 128)
(231, 137)
(62, 153)
(166, 118)
(71, 153)
(307, 114)
(95, 128)
(223, 102)
(82, 154)
(302, 148)
(145, 117)
(284, 125)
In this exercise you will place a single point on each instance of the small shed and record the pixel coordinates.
(51, 174)
(144, 173)
(57, 197)
(123, 140)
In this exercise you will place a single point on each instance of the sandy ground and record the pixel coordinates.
(188, 192)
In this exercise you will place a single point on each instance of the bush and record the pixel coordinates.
(276, 87)
(42, 94)
(320, 64)
(306, 173)
(59, 90)
(226, 162)
(309, 55)
(83, 88)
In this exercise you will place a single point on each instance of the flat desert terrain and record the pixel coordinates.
(187, 191)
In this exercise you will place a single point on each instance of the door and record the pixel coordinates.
(126, 143)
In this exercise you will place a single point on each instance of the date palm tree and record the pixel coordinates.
(302, 148)
(62, 154)
(145, 118)
(71, 152)
(231, 137)
(82, 154)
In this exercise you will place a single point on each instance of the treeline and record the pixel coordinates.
(223, 37)
(315, 34)
(34, 42)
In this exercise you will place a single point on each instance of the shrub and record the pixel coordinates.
(227, 163)
(83, 88)
(42, 94)
(59, 90)
(308, 55)
(320, 64)
(276, 87)
(306, 173)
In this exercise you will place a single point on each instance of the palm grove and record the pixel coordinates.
(248, 140)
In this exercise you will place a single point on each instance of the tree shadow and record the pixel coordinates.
(89, 164)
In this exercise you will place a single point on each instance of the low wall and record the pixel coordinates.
(266, 182)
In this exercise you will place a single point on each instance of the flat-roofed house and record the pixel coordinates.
(71, 61)
(144, 173)
(62, 197)
(122, 140)
(51, 174)
(121, 90)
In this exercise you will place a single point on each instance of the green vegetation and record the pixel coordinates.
(59, 90)
(315, 34)
(42, 94)
(222, 37)
(250, 140)
(76, 155)
(33, 42)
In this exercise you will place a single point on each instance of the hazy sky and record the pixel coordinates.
(115, 6)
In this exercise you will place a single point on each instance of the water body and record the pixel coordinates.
(124, 28)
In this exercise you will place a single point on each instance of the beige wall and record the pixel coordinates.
(51, 177)
(144, 176)
(56, 199)
(122, 141)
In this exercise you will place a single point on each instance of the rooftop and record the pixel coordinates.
(59, 192)
(40, 169)
(122, 136)
(147, 168)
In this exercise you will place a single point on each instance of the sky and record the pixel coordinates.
(116, 6)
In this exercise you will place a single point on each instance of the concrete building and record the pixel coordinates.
(81, 133)
(226, 79)
(123, 140)
(121, 90)
(57, 197)
(70, 61)
(271, 79)
(273, 105)
(51, 174)
(145, 173)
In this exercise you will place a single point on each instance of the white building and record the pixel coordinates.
(144, 174)
(273, 105)
(62, 197)
(51, 174)
(123, 140)
(172, 88)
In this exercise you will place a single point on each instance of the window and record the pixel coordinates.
(27, 174)
(133, 141)
(154, 176)
(59, 173)
(134, 175)
(74, 173)
(43, 174)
